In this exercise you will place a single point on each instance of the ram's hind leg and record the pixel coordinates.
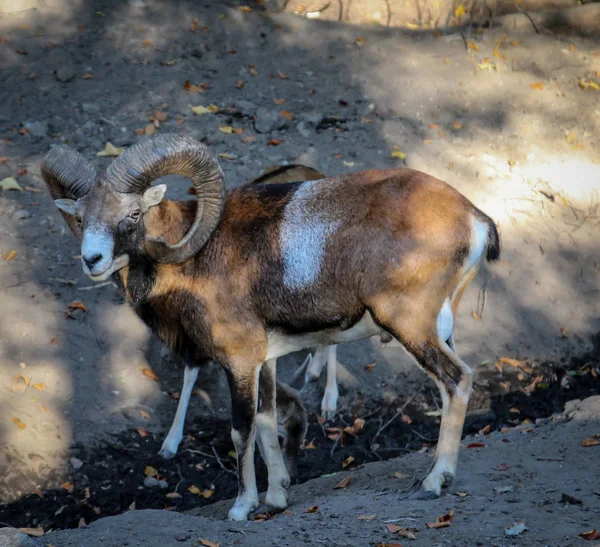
(266, 422)
(427, 340)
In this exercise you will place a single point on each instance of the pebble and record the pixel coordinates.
(37, 129)
(246, 108)
(65, 74)
(22, 214)
(303, 129)
(268, 120)
(90, 108)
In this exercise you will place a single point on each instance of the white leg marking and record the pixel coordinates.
(171, 443)
(317, 363)
(247, 500)
(330, 398)
(454, 409)
(445, 322)
(479, 235)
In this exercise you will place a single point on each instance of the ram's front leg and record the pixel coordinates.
(243, 384)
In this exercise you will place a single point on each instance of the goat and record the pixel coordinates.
(311, 367)
(246, 277)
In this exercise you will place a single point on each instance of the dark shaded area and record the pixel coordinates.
(109, 481)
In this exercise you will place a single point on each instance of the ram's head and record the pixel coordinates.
(106, 211)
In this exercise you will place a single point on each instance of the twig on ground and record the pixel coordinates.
(223, 466)
(199, 452)
(98, 286)
(380, 430)
(535, 26)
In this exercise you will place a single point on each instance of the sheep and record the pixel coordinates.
(311, 367)
(250, 275)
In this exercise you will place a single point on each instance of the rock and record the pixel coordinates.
(90, 108)
(304, 130)
(150, 482)
(22, 214)
(311, 118)
(246, 108)
(37, 129)
(268, 120)
(11, 537)
(65, 74)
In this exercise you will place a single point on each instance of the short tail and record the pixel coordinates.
(493, 240)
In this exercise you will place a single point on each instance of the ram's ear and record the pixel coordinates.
(153, 196)
(69, 206)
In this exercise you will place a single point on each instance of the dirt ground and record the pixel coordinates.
(508, 119)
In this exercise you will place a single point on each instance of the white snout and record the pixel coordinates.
(98, 262)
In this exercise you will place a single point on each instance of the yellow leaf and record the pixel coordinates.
(68, 486)
(399, 475)
(537, 85)
(194, 490)
(473, 46)
(225, 129)
(347, 462)
(246, 9)
(143, 432)
(40, 386)
(571, 136)
(460, 11)
(111, 150)
(150, 471)
(208, 543)
(398, 154)
(18, 423)
(200, 110)
(206, 494)
(10, 183)
(33, 532)
(360, 41)
(149, 129)
(149, 373)
(213, 108)
(594, 85)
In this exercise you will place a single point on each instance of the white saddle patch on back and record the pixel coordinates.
(306, 227)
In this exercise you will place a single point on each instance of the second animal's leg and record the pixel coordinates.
(266, 423)
(330, 397)
(171, 443)
(291, 416)
(243, 385)
(316, 365)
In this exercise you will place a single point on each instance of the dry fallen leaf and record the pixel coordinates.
(312, 509)
(144, 415)
(68, 486)
(274, 142)
(343, 483)
(442, 521)
(399, 475)
(248, 139)
(246, 9)
(279, 101)
(502, 467)
(189, 86)
(194, 490)
(590, 441)
(398, 154)
(41, 386)
(77, 305)
(400, 531)
(18, 422)
(173, 495)
(286, 114)
(359, 424)
(240, 84)
(111, 150)
(360, 41)
(208, 493)
(33, 532)
(310, 445)
(537, 85)
(476, 445)
(208, 543)
(475, 315)
(227, 129)
(200, 110)
(590, 536)
(370, 367)
(347, 462)
(571, 136)
(149, 373)
(10, 183)
(283, 75)
(143, 432)
(366, 517)
(473, 46)
(149, 471)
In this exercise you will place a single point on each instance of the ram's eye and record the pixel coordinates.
(135, 215)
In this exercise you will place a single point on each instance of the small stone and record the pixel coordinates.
(246, 108)
(150, 482)
(37, 129)
(303, 129)
(90, 108)
(311, 118)
(163, 484)
(22, 214)
(268, 120)
(76, 463)
(65, 74)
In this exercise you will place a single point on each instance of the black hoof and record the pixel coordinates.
(420, 494)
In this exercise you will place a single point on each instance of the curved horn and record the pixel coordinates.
(170, 154)
(67, 174)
